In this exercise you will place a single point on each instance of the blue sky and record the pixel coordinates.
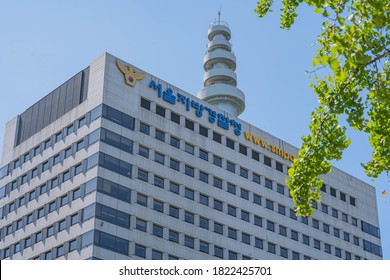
(43, 43)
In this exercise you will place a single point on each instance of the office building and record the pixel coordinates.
(118, 164)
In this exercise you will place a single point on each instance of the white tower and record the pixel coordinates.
(219, 79)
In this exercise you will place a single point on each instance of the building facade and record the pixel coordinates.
(119, 164)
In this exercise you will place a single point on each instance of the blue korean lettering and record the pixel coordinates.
(169, 97)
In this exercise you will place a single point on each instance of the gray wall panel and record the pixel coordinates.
(62, 99)
(41, 114)
(34, 118)
(48, 105)
(69, 95)
(54, 105)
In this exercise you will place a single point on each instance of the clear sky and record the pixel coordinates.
(44, 43)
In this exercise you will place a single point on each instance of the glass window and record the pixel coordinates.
(294, 235)
(80, 145)
(271, 248)
(231, 167)
(142, 175)
(189, 193)
(325, 228)
(292, 214)
(143, 151)
(189, 148)
(203, 246)
(140, 225)
(230, 143)
(61, 225)
(72, 245)
(189, 170)
(336, 232)
(217, 137)
(140, 251)
(31, 195)
(232, 211)
(305, 239)
(352, 201)
(279, 166)
(315, 224)
(245, 238)
(142, 199)
(282, 230)
(77, 169)
(56, 159)
(268, 183)
(64, 200)
(189, 124)
(158, 230)
(24, 179)
(270, 225)
(295, 255)
(324, 208)
(231, 188)
(346, 236)
(203, 155)
(335, 213)
(217, 160)
(160, 111)
(50, 231)
(144, 128)
(30, 218)
(74, 219)
(173, 236)
(203, 131)
(175, 118)
(173, 187)
(189, 217)
(27, 242)
(173, 211)
(244, 194)
(232, 233)
(354, 221)
(323, 188)
(344, 217)
(69, 129)
(356, 240)
(280, 189)
(60, 251)
(14, 185)
(82, 121)
(245, 216)
(158, 181)
(158, 205)
(269, 204)
(258, 221)
(255, 155)
(218, 205)
(283, 252)
(160, 135)
(160, 158)
(145, 103)
(217, 183)
(203, 199)
(317, 244)
(52, 206)
(204, 177)
(41, 212)
(281, 209)
(218, 228)
(38, 236)
(203, 222)
(257, 199)
(218, 252)
(157, 255)
(175, 142)
(243, 150)
(19, 224)
(189, 241)
(259, 243)
(327, 248)
(343, 196)
(304, 220)
(174, 164)
(45, 165)
(267, 161)
(243, 172)
(76, 193)
(16, 163)
(332, 192)
(58, 136)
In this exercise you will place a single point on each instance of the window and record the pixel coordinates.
(140, 225)
(50, 231)
(230, 143)
(267, 161)
(174, 164)
(76, 194)
(336, 232)
(232, 211)
(82, 121)
(305, 220)
(19, 224)
(140, 251)
(259, 243)
(305, 239)
(255, 155)
(243, 150)
(231, 167)
(60, 251)
(258, 221)
(144, 128)
(160, 158)
(293, 215)
(58, 136)
(175, 118)
(157, 255)
(189, 148)
(34, 172)
(160, 111)
(188, 193)
(158, 181)
(203, 131)
(268, 183)
(280, 189)
(143, 151)
(323, 188)
(189, 124)
(282, 230)
(283, 252)
(232, 233)
(332, 192)
(281, 209)
(203, 154)
(66, 176)
(245, 216)
(175, 142)
(61, 225)
(324, 208)
(158, 205)
(24, 179)
(348, 256)
(74, 219)
(173, 187)
(52, 206)
(14, 185)
(217, 137)
(354, 221)
(269, 204)
(30, 218)
(344, 217)
(204, 177)
(256, 178)
(294, 235)
(352, 201)
(63, 200)
(295, 255)
(142, 199)
(243, 172)
(38, 236)
(346, 236)
(217, 205)
(203, 199)
(257, 199)
(27, 242)
(69, 129)
(189, 241)
(245, 238)
(317, 244)
(279, 166)
(218, 252)
(343, 196)
(218, 228)
(203, 222)
(325, 227)
(142, 175)
(217, 183)
(160, 135)
(315, 224)
(190, 171)
(173, 236)
(158, 230)
(335, 213)
(145, 104)
(356, 240)
(231, 188)
(271, 248)
(9, 229)
(72, 245)
(270, 225)
(54, 183)
(189, 217)
(56, 159)
(327, 248)
(80, 145)
(217, 161)
(78, 169)
(203, 246)
(174, 211)
(41, 212)
(22, 201)
(31, 195)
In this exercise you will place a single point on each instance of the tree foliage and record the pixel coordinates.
(351, 80)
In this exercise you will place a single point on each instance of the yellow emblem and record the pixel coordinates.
(130, 76)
